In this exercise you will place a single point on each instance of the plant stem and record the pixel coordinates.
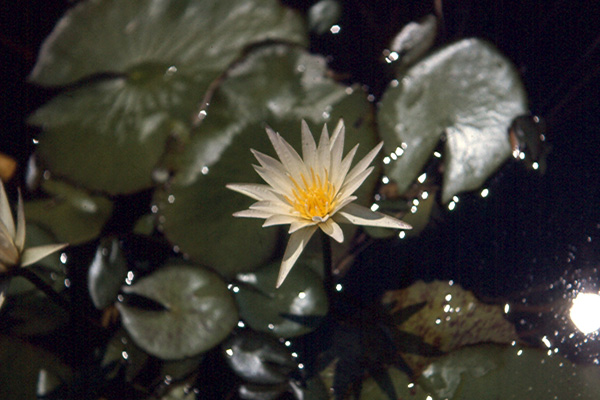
(44, 287)
(327, 267)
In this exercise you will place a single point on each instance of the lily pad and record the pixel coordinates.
(505, 372)
(153, 61)
(258, 358)
(199, 312)
(106, 273)
(203, 36)
(468, 93)
(72, 215)
(276, 86)
(451, 318)
(264, 308)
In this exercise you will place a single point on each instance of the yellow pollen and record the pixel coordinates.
(313, 197)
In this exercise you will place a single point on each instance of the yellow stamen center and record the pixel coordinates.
(314, 198)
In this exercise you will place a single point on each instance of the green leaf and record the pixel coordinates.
(201, 36)
(451, 318)
(262, 306)
(110, 135)
(489, 372)
(72, 215)
(466, 91)
(154, 60)
(106, 273)
(275, 86)
(199, 312)
(258, 358)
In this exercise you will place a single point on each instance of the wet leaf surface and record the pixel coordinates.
(466, 92)
(275, 86)
(199, 312)
(281, 311)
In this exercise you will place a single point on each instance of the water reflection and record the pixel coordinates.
(585, 312)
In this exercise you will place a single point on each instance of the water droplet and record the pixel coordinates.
(171, 199)
(63, 258)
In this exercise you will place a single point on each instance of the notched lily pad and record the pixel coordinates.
(468, 93)
(154, 60)
(72, 215)
(267, 309)
(199, 312)
(276, 86)
(451, 318)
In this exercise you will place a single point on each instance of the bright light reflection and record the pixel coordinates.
(335, 29)
(585, 312)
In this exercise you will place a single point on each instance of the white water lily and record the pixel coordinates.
(312, 191)
(12, 238)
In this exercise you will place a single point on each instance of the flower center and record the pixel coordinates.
(313, 198)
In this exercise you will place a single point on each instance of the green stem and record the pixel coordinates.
(327, 266)
(44, 287)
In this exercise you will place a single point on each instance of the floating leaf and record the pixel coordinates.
(106, 273)
(467, 92)
(72, 215)
(258, 358)
(264, 308)
(275, 86)
(489, 372)
(203, 36)
(199, 312)
(451, 318)
(155, 60)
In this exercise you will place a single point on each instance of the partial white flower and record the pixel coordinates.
(312, 191)
(12, 238)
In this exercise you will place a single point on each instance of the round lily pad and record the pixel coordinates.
(72, 215)
(204, 36)
(199, 312)
(294, 309)
(275, 86)
(152, 61)
(467, 92)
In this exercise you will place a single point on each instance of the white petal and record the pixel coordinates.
(297, 243)
(20, 234)
(268, 161)
(323, 152)
(252, 214)
(290, 159)
(339, 175)
(9, 255)
(34, 254)
(364, 163)
(279, 220)
(300, 223)
(274, 207)
(350, 186)
(359, 215)
(331, 228)
(5, 212)
(309, 147)
(338, 134)
(278, 182)
(253, 190)
(343, 203)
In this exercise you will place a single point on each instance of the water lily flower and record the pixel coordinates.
(12, 238)
(312, 191)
